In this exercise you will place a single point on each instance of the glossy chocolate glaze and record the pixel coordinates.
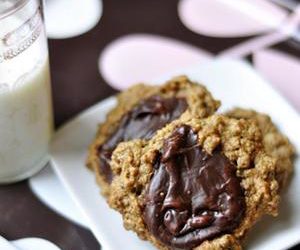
(192, 196)
(141, 123)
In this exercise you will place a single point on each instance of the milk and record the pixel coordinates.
(25, 110)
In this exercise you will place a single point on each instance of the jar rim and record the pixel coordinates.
(12, 9)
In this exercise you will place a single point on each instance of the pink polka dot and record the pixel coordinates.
(234, 18)
(142, 57)
(282, 70)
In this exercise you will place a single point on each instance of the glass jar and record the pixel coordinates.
(26, 121)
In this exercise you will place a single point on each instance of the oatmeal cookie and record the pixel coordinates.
(276, 144)
(140, 112)
(198, 183)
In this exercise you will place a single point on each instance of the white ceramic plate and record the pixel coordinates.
(236, 84)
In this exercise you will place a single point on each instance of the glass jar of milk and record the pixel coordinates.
(26, 122)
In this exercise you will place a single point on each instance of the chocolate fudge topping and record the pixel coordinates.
(192, 196)
(141, 123)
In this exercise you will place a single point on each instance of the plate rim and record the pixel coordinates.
(109, 100)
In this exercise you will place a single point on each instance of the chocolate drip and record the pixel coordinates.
(140, 123)
(193, 196)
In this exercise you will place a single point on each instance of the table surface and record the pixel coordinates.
(77, 83)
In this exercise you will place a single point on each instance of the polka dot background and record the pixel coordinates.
(98, 48)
